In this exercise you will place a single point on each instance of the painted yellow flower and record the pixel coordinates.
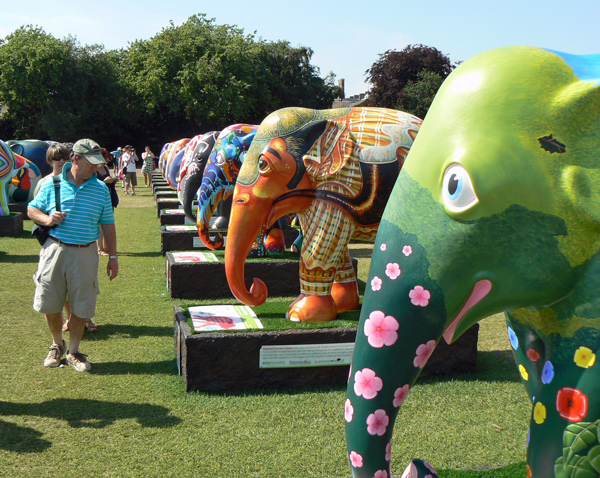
(539, 413)
(584, 357)
(524, 373)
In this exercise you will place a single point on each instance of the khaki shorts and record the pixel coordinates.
(63, 272)
(131, 178)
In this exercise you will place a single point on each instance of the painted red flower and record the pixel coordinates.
(533, 355)
(571, 404)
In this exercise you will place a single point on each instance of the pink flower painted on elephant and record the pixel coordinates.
(367, 384)
(381, 329)
(388, 451)
(348, 410)
(407, 250)
(383, 247)
(423, 353)
(392, 270)
(377, 422)
(380, 474)
(410, 472)
(419, 296)
(376, 284)
(356, 459)
(400, 394)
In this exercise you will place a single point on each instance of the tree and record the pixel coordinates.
(56, 89)
(417, 96)
(394, 71)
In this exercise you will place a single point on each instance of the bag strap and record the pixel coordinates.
(56, 180)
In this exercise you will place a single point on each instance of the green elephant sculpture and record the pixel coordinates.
(335, 169)
(497, 209)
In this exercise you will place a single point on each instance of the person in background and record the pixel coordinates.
(103, 174)
(68, 265)
(129, 159)
(148, 157)
(117, 164)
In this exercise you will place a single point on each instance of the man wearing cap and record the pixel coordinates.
(69, 260)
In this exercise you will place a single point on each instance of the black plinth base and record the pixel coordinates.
(207, 280)
(215, 361)
(166, 204)
(19, 208)
(188, 240)
(169, 217)
(11, 225)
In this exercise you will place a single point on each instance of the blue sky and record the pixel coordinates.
(346, 36)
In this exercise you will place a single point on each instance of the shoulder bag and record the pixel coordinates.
(41, 233)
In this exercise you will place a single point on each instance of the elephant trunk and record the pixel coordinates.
(212, 192)
(247, 222)
(402, 320)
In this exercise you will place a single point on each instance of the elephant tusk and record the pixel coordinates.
(481, 289)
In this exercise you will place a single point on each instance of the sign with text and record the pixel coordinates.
(223, 317)
(193, 256)
(310, 355)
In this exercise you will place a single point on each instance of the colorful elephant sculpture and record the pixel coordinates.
(14, 170)
(335, 169)
(26, 178)
(169, 153)
(219, 177)
(192, 169)
(497, 208)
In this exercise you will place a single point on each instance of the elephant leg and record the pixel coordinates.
(563, 434)
(345, 286)
(274, 241)
(315, 303)
(529, 352)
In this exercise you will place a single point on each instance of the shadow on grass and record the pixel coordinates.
(19, 259)
(164, 367)
(361, 253)
(21, 439)
(509, 471)
(142, 254)
(110, 331)
(78, 413)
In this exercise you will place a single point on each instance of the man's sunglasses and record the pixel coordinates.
(60, 158)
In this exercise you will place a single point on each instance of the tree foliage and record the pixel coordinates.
(408, 79)
(185, 80)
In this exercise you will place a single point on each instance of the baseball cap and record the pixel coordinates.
(90, 150)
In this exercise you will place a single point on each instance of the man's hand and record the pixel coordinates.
(112, 268)
(56, 218)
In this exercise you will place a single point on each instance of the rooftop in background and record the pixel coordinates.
(354, 100)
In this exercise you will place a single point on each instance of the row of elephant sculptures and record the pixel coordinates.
(489, 205)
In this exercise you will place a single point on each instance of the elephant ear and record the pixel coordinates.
(17, 148)
(330, 153)
(300, 143)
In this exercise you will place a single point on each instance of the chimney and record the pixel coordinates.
(341, 84)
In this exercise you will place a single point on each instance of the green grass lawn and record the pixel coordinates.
(130, 416)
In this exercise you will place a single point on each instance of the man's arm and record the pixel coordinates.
(44, 219)
(110, 236)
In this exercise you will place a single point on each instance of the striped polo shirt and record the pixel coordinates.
(86, 206)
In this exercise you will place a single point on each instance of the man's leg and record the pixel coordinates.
(76, 328)
(58, 347)
(76, 359)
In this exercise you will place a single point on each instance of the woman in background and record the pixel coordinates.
(148, 166)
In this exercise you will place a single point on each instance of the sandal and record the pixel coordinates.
(90, 326)
(102, 253)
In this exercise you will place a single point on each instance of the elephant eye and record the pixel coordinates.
(263, 165)
(458, 191)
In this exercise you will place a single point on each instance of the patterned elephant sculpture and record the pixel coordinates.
(192, 169)
(497, 209)
(335, 169)
(16, 174)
